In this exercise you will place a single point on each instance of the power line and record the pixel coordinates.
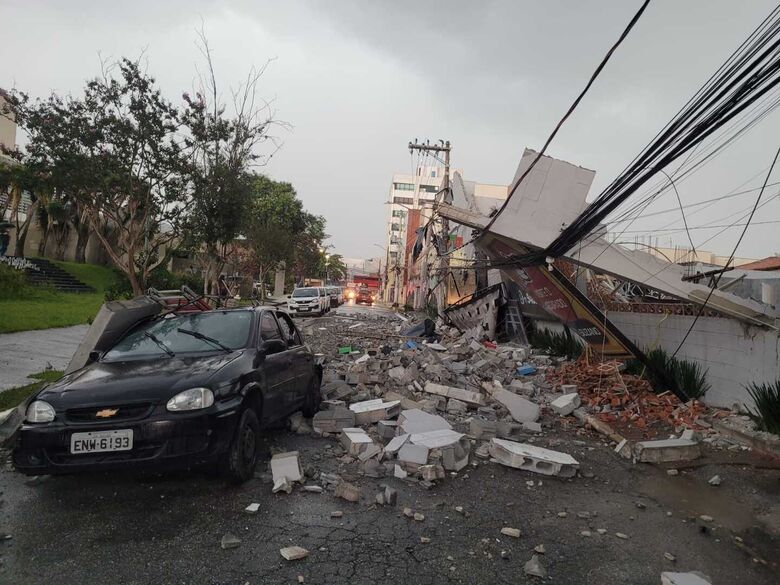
(731, 257)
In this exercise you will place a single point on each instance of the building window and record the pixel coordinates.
(433, 174)
(403, 200)
(429, 188)
(403, 186)
(393, 255)
(398, 213)
(395, 227)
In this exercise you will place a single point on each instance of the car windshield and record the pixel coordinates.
(185, 334)
(304, 292)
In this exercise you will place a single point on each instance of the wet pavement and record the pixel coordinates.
(120, 528)
(152, 529)
(30, 352)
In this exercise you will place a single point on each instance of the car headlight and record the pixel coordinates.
(192, 399)
(39, 412)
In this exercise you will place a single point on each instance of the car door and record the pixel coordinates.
(301, 357)
(279, 395)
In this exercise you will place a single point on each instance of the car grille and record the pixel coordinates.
(124, 412)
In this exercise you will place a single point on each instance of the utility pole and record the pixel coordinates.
(444, 261)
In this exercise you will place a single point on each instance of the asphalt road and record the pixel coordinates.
(152, 529)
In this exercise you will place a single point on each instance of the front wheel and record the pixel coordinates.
(311, 403)
(239, 463)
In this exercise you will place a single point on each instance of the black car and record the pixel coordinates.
(178, 391)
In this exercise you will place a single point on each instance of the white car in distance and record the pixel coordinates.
(309, 300)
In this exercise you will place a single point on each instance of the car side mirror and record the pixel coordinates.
(93, 357)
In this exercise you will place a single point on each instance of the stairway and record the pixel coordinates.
(50, 274)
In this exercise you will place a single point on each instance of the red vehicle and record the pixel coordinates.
(365, 295)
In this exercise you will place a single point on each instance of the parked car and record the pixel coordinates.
(309, 300)
(179, 391)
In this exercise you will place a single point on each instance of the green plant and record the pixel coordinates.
(767, 400)
(665, 372)
(558, 344)
(690, 378)
(13, 283)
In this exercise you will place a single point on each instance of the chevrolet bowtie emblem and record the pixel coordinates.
(106, 412)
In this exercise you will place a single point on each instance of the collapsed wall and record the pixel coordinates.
(732, 352)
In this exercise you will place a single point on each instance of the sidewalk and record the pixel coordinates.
(29, 352)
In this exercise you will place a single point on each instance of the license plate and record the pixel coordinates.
(101, 441)
(303, 308)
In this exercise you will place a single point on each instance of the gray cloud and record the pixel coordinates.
(358, 79)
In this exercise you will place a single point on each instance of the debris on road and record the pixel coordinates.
(533, 458)
(293, 553)
(693, 578)
(535, 568)
(230, 541)
(252, 508)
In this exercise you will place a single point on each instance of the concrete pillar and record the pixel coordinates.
(279, 278)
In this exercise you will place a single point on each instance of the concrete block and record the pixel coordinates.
(391, 495)
(286, 465)
(396, 443)
(355, 440)
(436, 346)
(568, 388)
(431, 472)
(397, 373)
(333, 420)
(406, 403)
(436, 439)
(486, 412)
(331, 404)
(347, 491)
(337, 390)
(418, 421)
(667, 450)
(533, 458)
(456, 406)
(565, 405)
(455, 457)
(372, 411)
(532, 427)
(387, 428)
(370, 451)
(399, 472)
(461, 394)
(480, 428)
(693, 578)
(521, 409)
(411, 453)
(373, 468)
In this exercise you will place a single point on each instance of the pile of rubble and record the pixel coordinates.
(626, 401)
(419, 408)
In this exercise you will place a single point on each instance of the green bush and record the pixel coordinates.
(767, 412)
(557, 344)
(160, 278)
(13, 283)
(663, 371)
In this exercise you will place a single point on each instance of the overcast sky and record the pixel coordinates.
(358, 79)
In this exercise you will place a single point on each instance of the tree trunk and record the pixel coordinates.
(133, 278)
(82, 239)
(21, 230)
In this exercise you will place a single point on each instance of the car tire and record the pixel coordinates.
(311, 404)
(239, 463)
